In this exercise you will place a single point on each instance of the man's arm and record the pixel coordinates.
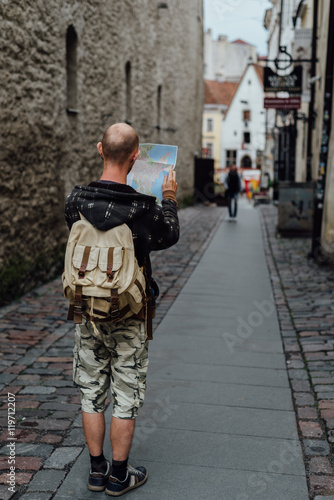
(226, 181)
(167, 230)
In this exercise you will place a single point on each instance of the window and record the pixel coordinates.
(128, 105)
(71, 69)
(209, 125)
(231, 157)
(209, 150)
(246, 114)
(246, 162)
(247, 138)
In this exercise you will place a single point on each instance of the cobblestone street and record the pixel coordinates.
(304, 296)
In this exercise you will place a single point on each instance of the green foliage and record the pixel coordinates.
(19, 275)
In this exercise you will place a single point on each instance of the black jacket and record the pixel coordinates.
(233, 182)
(107, 205)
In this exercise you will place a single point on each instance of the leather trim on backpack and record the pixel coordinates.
(78, 305)
(110, 272)
(84, 263)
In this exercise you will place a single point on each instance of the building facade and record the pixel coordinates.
(289, 130)
(304, 28)
(70, 69)
(224, 60)
(217, 98)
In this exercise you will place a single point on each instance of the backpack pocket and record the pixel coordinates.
(79, 257)
(136, 292)
(111, 256)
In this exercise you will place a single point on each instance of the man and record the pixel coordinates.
(114, 354)
(233, 185)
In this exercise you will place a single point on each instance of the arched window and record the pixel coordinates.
(71, 68)
(246, 162)
(128, 104)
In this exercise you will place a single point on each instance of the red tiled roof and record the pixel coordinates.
(260, 72)
(219, 92)
(238, 40)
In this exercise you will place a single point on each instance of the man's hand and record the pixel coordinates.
(169, 184)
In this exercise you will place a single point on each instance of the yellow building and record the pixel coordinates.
(218, 96)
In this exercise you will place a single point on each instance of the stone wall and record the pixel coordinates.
(45, 149)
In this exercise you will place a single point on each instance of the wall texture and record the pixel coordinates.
(45, 150)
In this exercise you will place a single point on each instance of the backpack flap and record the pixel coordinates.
(110, 262)
(85, 258)
(117, 266)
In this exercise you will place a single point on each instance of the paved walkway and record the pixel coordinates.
(218, 422)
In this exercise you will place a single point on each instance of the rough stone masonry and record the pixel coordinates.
(69, 69)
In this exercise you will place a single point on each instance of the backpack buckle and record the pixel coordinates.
(110, 273)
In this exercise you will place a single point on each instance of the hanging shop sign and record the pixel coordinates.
(302, 44)
(291, 83)
(281, 103)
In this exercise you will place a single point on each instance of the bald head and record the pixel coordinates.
(119, 142)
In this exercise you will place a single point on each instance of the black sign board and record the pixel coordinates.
(291, 83)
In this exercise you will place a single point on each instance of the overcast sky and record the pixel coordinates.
(238, 19)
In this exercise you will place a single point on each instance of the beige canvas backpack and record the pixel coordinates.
(102, 278)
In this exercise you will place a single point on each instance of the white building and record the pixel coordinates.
(224, 60)
(243, 128)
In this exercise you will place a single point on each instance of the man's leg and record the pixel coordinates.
(94, 429)
(230, 205)
(235, 204)
(128, 387)
(121, 434)
(90, 370)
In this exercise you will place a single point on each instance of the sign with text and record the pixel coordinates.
(281, 103)
(292, 83)
(302, 44)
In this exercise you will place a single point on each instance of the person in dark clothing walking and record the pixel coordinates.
(114, 355)
(233, 186)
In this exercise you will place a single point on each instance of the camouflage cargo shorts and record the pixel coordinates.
(114, 357)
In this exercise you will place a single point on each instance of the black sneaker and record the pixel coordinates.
(134, 477)
(97, 481)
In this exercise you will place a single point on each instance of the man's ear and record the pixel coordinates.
(99, 148)
(135, 156)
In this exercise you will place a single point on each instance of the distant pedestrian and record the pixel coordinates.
(233, 186)
(113, 353)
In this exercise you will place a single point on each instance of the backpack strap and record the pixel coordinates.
(114, 302)
(84, 262)
(110, 262)
(149, 318)
(78, 305)
(142, 291)
(70, 314)
(148, 305)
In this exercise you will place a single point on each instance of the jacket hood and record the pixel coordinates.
(108, 205)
